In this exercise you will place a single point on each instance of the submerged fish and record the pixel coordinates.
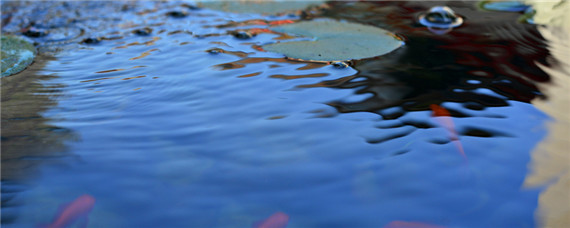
(73, 212)
(443, 117)
(277, 220)
(404, 224)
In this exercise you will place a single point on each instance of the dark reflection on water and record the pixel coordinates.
(493, 58)
(182, 124)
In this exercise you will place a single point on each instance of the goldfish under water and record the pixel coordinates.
(77, 210)
(277, 220)
(443, 117)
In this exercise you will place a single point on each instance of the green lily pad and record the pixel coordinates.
(17, 54)
(335, 41)
(505, 6)
(261, 7)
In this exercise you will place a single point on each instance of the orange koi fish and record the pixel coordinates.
(76, 210)
(442, 116)
(277, 220)
(404, 224)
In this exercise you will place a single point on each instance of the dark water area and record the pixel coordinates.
(167, 118)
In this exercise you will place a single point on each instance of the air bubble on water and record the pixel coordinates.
(440, 19)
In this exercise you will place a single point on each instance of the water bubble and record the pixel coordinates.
(440, 17)
(340, 64)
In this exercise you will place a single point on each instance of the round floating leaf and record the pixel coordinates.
(506, 6)
(335, 41)
(17, 54)
(261, 7)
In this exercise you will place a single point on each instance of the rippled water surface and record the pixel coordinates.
(166, 118)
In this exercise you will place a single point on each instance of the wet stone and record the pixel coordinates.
(91, 40)
(143, 32)
(243, 35)
(340, 64)
(34, 32)
(177, 14)
(214, 51)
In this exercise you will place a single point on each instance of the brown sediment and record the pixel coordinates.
(28, 139)
(144, 54)
(108, 71)
(129, 78)
(276, 117)
(241, 23)
(113, 70)
(242, 62)
(147, 43)
(250, 75)
(236, 53)
(97, 79)
(220, 43)
(178, 32)
(311, 66)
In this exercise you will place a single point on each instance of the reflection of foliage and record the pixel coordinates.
(488, 61)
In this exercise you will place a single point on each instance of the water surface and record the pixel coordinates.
(172, 121)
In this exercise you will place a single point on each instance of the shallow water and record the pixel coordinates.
(164, 132)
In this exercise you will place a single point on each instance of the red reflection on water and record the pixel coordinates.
(277, 220)
(281, 22)
(77, 210)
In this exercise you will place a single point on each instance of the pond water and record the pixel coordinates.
(169, 120)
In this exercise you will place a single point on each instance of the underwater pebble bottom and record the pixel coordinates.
(199, 142)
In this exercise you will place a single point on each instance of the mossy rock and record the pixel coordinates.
(334, 41)
(17, 54)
